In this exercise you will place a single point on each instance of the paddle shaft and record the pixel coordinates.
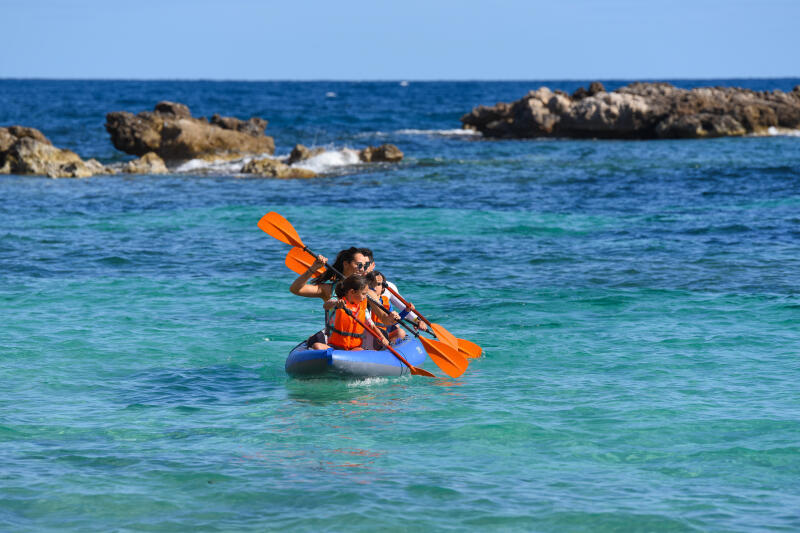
(367, 328)
(408, 305)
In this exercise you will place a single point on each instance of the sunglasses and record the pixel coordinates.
(363, 266)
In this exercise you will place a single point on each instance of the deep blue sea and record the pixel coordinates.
(638, 303)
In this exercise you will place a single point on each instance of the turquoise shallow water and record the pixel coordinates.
(637, 304)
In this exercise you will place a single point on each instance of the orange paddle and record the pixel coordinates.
(451, 361)
(276, 226)
(469, 348)
(298, 260)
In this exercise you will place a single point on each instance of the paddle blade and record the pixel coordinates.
(416, 371)
(447, 358)
(298, 260)
(445, 336)
(469, 348)
(278, 227)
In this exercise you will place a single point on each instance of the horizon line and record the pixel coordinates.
(398, 80)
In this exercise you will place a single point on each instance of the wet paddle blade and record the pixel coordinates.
(469, 348)
(421, 372)
(448, 359)
(445, 336)
(298, 260)
(278, 227)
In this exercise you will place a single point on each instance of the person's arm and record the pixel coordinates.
(300, 286)
(395, 301)
(331, 303)
(381, 337)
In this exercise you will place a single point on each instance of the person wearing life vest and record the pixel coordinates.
(379, 293)
(396, 302)
(348, 261)
(343, 330)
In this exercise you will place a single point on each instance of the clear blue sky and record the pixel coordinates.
(408, 39)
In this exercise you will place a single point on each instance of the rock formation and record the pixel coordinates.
(301, 153)
(272, 168)
(638, 111)
(26, 151)
(169, 134)
(385, 153)
(173, 134)
(149, 163)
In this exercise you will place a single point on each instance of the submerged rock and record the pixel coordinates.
(273, 168)
(27, 151)
(173, 134)
(387, 153)
(638, 111)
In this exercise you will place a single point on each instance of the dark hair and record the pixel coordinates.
(354, 282)
(372, 277)
(367, 252)
(345, 255)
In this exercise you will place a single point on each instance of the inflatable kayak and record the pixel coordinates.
(305, 363)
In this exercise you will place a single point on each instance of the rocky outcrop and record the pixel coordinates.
(272, 168)
(301, 153)
(385, 153)
(27, 151)
(254, 126)
(638, 111)
(149, 163)
(173, 134)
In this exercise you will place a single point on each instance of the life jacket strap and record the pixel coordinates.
(347, 333)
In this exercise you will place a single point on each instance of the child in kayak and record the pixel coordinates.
(378, 291)
(343, 330)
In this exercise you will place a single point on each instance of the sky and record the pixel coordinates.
(399, 40)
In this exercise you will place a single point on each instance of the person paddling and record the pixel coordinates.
(394, 301)
(348, 262)
(344, 332)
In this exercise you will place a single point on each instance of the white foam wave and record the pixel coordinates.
(193, 166)
(366, 382)
(330, 160)
(782, 132)
(455, 132)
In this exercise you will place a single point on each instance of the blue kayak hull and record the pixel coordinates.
(305, 363)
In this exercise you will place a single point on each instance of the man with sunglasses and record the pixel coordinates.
(362, 266)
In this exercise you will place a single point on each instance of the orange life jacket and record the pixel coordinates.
(384, 301)
(346, 333)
